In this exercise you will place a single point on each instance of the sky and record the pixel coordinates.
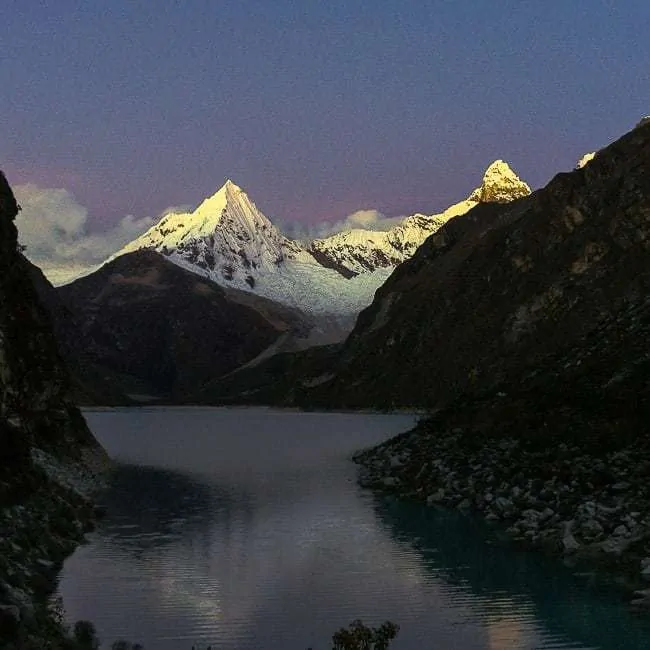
(318, 109)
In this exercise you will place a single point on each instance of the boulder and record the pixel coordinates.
(591, 529)
(436, 497)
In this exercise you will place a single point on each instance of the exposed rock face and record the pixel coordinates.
(498, 290)
(49, 457)
(34, 393)
(153, 329)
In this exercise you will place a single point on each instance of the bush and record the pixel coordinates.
(85, 635)
(360, 637)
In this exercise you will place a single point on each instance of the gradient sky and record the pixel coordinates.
(316, 108)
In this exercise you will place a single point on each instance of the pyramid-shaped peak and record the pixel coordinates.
(499, 167)
(230, 185)
(500, 185)
(228, 193)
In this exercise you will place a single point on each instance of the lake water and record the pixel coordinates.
(244, 528)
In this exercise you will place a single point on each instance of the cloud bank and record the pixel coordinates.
(364, 219)
(53, 227)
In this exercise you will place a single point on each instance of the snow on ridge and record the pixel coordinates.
(230, 241)
(359, 251)
(587, 158)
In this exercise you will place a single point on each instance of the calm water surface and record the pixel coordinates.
(244, 528)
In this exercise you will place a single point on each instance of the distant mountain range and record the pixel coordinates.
(203, 293)
(519, 324)
(230, 241)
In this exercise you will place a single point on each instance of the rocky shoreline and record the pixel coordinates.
(570, 498)
(51, 509)
(50, 463)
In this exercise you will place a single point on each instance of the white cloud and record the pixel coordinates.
(365, 219)
(54, 228)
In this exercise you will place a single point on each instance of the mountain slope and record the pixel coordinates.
(496, 291)
(157, 330)
(226, 236)
(90, 383)
(228, 240)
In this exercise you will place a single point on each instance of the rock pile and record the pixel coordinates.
(560, 496)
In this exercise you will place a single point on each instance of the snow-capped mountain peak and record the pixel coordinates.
(229, 194)
(226, 235)
(229, 240)
(500, 185)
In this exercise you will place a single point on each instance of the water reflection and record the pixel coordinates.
(256, 535)
(227, 566)
(506, 585)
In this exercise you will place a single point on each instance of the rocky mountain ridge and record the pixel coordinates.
(230, 241)
(523, 329)
(494, 293)
(360, 251)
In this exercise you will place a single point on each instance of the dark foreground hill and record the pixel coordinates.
(48, 458)
(491, 297)
(145, 328)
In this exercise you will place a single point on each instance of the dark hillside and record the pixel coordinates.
(151, 329)
(49, 460)
(492, 294)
